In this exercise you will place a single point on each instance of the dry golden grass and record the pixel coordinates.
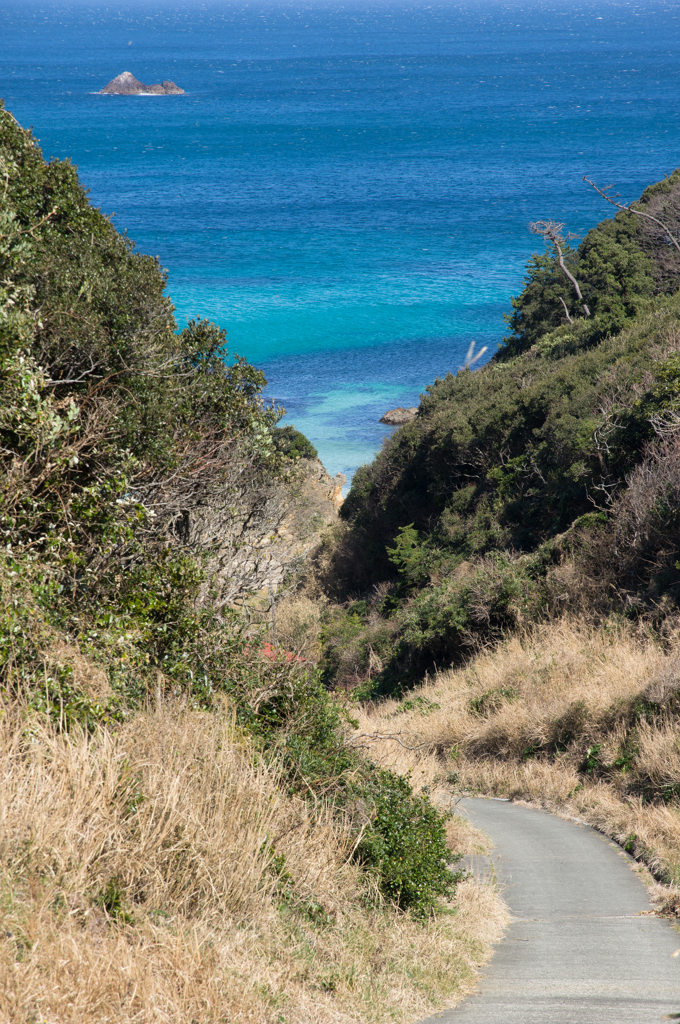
(579, 720)
(298, 625)
(138, 886)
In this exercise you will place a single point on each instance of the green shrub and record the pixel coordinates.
(492, 700)
(115, 430)
(592, 763)
(293, 443)
(405, 845)
(410, 557)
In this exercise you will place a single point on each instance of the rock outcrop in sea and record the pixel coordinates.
(397, 417)
(127, 85)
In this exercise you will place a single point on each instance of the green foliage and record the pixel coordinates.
(67, 705)
(618, 267)
(419, 703)
(102, 407)
(538, 309)
(625, 759)
(616, 273)
(109, 417)
(290, 898)
(293, 443)
(102, 307)
(442, 473)
(491, 700)
(342, 635)
(301, 723)
(111, 898)
(592, 762)
(397, 641)
(409, 556)
(406, 845)
(113, 428)
(401, 837)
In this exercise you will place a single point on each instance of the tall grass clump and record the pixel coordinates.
(161, 873)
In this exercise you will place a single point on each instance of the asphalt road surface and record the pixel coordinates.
(580, 949)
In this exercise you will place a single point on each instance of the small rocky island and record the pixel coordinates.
(397, 417)
(127, 85)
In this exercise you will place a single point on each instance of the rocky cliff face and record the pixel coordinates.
(260, 535)
(126, 84)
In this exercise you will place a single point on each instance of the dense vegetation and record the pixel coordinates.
(116, 432)
(543, 482)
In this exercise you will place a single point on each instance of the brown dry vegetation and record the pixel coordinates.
(577, 719)
(298, 624)
(143, 880)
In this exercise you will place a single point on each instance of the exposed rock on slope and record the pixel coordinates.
(258, 537)
(127, 85)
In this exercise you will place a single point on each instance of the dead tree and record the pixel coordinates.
(473, 356)
(606, 194)
(552, 232)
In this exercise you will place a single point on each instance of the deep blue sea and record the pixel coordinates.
(346, 187)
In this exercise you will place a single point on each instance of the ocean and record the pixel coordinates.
(346, 187)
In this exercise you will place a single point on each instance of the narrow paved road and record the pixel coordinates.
(579, 949)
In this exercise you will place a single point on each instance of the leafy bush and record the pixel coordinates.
(405, 844)
(293, 443)
(115, 430)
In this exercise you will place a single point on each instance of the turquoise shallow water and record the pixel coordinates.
(344, 187)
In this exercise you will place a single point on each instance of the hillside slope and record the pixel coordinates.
(542, 482)
(581, 720)
(508, 577)
(187, 834)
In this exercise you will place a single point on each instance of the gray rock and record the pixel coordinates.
(127, 85)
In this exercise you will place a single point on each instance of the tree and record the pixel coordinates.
(551, 231)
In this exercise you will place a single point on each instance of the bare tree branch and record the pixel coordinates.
(473, 356)
(75, 380)
(566, 311)
(666, 424)
(605, 193)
